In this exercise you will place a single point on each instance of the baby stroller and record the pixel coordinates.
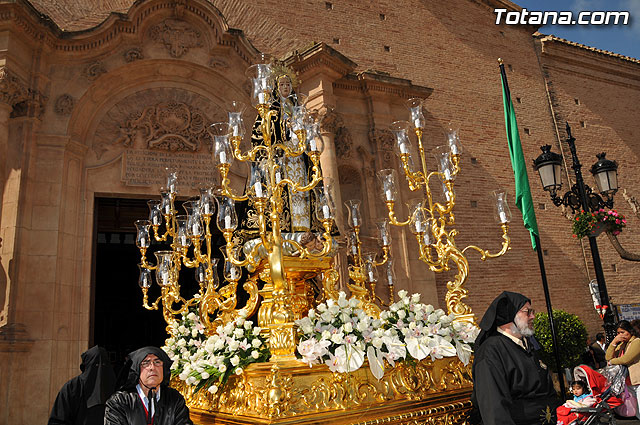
(605, 392)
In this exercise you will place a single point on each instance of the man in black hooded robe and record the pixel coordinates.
(510, 383)
(81, 401)
(146, 397)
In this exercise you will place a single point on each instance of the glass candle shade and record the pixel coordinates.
(427, 237)
(298, 118)
(388, 184)
(419, 218)
(215, 281)
(501, 210)
(260, 77)
(442, 155)
(164, 270)
(236, 123)
(182, 235)
(384, 232)
(142, 237)
(144, 279)
(165, 201)
(206, 201)
(232, 272)
(200, 273)
(415, 109)
(353, 208)
(325, 205)
(453, 140)
(369, 267)
(222, 153)
(315, 144)
(400, 130)
(390, 272)
(258, 180)
(155, 213)
(227, 217)
(172, 181)
(352, 243)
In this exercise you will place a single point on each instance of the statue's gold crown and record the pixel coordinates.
(279, 70)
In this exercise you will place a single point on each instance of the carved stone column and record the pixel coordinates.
(330, 121)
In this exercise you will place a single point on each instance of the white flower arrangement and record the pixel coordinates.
(208, 362)
(339, 333)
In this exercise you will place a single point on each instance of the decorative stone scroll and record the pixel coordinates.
(12, 89)
(144, 167)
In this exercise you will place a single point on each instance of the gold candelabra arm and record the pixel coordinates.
(226, 191)
(506, 245)
(392, 215)
(385, 257)
(316, 177)
(230, 248)
(145, 300)
(197, 255)
(156, 228)
(249, 155)
(455, 290)
(416, 178)
(143, 260)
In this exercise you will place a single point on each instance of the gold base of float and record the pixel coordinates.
(289, 392)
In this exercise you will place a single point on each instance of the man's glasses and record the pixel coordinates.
(528, 311)
(146, 363)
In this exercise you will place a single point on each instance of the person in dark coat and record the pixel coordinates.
(146, 397)
(511, 386)
(81, 401)
(599, 350)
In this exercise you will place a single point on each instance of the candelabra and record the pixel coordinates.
(428, 220)
(281, 261)
(363, 267)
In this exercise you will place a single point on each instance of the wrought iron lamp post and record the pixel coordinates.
(582, 197)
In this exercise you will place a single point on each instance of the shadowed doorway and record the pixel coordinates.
(120, 323)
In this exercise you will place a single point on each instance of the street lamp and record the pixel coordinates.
(582, 197)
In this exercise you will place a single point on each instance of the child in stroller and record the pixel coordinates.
(597, 407)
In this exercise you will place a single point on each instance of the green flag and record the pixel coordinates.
(523, 192)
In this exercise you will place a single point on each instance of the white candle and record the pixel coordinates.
(404, 148)
(223, 157)
(143, 242)
(503, 217)
(227, 222)
(326, 212)
(388, 194)
(258, 188)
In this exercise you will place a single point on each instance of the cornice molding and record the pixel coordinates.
(20, 14)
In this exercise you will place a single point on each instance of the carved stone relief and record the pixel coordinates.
(94, 70)
(133, 54)
(32, 106)
(12, 89)
(343, 142)
(176, 36)
(167, 119)
(64, 105)
(171, 126)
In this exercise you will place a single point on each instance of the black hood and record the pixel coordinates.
(502, 310)
(135, 358)
(98, 378)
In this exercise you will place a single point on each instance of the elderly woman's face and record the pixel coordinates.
(284, 86)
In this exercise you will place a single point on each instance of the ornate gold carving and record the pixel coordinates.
(177, 36)
(283, 390)
(133, 54)
(169, 126)
(64, 105)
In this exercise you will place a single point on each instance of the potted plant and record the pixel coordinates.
(592, 224)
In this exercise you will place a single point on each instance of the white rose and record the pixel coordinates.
(222, 368)
(348, 327)
(255, 354)
(256, 343)
(238, 332)
(239, 371)
(213, 389)
(415, 298)
(402, 314)
(235, 360)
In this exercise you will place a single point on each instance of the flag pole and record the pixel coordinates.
(515, 150)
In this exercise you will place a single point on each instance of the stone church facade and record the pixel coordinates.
(96, 99)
